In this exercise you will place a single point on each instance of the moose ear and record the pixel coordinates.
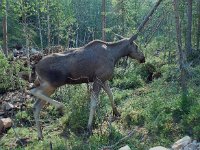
(120, 37)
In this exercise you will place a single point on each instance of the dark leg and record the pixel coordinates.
(110, 95)
(94, 99)
(36, 111)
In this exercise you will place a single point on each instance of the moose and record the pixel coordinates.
(93, 63)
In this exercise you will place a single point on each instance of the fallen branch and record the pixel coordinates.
(146, 19)
(121, 140)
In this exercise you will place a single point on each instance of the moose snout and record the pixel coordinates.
(142, 60)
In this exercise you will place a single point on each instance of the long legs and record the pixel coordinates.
(42, 93)
(107, 89)
(94, 99)
(36, 111)
(45, 90)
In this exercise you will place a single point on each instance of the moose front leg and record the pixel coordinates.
(107, 89)
(94, 99)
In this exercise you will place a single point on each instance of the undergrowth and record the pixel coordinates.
(151, 109)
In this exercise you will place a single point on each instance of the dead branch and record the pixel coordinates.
(146, 19)
(121, 140)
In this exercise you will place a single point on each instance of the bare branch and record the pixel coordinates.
(121, 140)
(146, 19)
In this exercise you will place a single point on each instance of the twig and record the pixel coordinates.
(121, 140)
(17, 136)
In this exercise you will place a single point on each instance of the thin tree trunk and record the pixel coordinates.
(198, 24)
(77, 39)
(181, 58)
(58, 31)
(123, 17)
(103, 20)
(188, 43)
(39, 25)
(27, 37)
(48, 25)
(5, 32)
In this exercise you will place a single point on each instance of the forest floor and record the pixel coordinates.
(151, 115)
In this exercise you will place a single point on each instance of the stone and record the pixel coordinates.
(7, 106)
(125, 148)
(158, 148)
(181, 143)
(7, 123)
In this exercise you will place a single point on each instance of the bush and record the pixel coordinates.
(133, 118)
(9, 79)
(191, 122)
(77, 108)
(127, 79)
(146, 72)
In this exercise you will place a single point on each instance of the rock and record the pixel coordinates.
(7, 106)
(181, 143)
(192, 146)
(125, 148)
(158, 148)
(7, 123)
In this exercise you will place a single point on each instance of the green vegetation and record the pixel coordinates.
(154, 109)
(9, 70)
(148, 96)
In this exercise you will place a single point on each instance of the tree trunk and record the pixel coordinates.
(181, 59)
(198, 24)
(48, 25)
(188, 41)
(5, 32)
(39, 25)
(103, 20)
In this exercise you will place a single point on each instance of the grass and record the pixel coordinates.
(152, 110)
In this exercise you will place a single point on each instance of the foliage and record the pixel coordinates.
(9, 79)
(154, 109)
(126, 79)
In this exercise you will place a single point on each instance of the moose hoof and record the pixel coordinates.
(89, 132)
(40, 138)
(60, 111)
(116, 113)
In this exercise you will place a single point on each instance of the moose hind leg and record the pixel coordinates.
(36, 111)
(94, 99)
(43, 92)
(107, 89)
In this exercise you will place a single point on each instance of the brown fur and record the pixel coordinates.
(93, 62)
(82, 65)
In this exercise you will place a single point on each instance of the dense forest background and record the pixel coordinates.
(158, 100)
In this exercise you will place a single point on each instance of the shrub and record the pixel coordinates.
(146, 72)
(127, 79)
(9, 79)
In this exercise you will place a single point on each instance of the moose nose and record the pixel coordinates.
(142, 60)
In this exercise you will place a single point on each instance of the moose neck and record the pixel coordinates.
(118, 50)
